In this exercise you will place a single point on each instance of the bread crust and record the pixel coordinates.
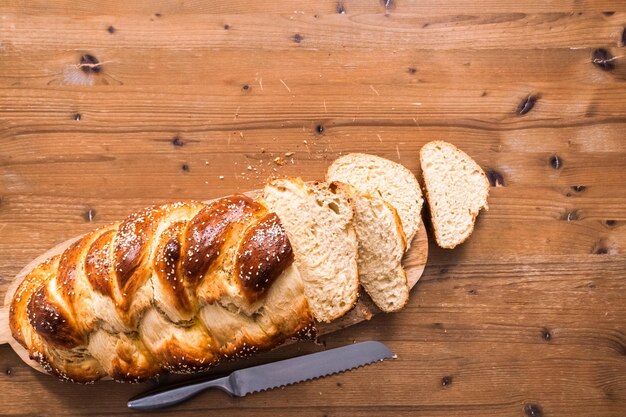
(435, 226)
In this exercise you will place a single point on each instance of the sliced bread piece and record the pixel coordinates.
(384, 178)
(381, 246)
(456, 188)
(318, 221)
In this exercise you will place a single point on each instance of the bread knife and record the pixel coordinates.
(272, 375)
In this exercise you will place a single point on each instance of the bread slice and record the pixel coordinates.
(318, 221)
(382, 178)
(456, 188)
(381, 246)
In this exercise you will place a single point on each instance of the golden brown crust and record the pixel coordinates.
(262, 256)
(98, 264)
(31, 283)
(52, 321)
(167, 266)
(130, 247)
(208, 228)
(127, 300)
(130, 251)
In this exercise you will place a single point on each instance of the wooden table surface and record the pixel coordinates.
(107, 107)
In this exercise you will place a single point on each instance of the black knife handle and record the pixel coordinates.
(168, 396)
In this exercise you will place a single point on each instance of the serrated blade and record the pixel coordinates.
(302, 368)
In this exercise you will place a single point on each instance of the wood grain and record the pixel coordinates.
(527, 318)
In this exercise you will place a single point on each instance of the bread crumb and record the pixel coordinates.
(367, 315)
(249, 167)
(288, 154)
(221, 177)
(279, 161)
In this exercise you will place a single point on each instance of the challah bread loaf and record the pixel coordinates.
(175, 288)
(318, 219)
(456, 188)
(383, 178)
(180, 287)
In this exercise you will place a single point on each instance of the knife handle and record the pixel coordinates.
(175, 394)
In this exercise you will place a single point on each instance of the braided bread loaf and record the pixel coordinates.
(179, 287)
(175, 288)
